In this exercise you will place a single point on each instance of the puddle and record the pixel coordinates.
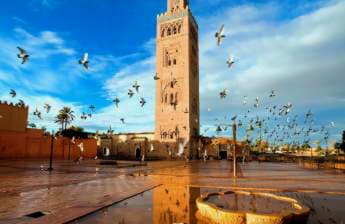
(170, 204)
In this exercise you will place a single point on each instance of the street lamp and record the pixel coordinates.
(234, 149)
(51, 152)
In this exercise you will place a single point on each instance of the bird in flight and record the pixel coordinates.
(273, 94)
(85, 61)
(223, 93)
(47, 107)
(156, 77)
(130, 93)
(256, 102)
(136, 86)
(83, 116)
(116, 101)
(38, 114)
(220, 35)
(23, 55)
(122, 120)
(13, 93)
(20, 103)
(230, 62)
(142, 102)
(92, 108)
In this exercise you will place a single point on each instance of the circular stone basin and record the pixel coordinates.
(239, 207)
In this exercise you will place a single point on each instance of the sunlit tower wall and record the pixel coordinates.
(177, 90)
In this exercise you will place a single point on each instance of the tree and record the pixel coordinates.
(64, 117)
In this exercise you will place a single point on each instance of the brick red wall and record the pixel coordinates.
(32, 144)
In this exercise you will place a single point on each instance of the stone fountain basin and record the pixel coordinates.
(283, 210)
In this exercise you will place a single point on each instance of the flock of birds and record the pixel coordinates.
(282, 132)
(277, 126)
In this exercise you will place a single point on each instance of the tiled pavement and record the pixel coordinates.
(75, 190)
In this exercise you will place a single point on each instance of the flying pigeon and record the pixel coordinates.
(256, 102)
(122, 120)
(130, 93)
(220, 35)
(13, 93)
(23, 55)
(92, 108)
(272, 94)
(181, 148)
(116, 101)
(234, 118)
(85, 61)
(47, 107)
(230, 62)
(152, 148)
(136, 86)
(84, 116)
(20, 103)
(245, 100)
(38, 114)
(223, 94)
(81, 147)
(156, 77)
(142, 102)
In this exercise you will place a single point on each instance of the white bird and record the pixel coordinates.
(245, 100)
(181, 148)
(73, 140)
(332, 124)
(81, 147)
(230, 62)
(85, 61)
(152, 148)
(23, 55)
(220, 35)
(209, 109)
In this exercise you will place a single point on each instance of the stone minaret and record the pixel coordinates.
(177, 89)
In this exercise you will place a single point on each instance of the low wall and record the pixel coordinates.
(32, 144)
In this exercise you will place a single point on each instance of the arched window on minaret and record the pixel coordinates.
(171, 98)
(163, 33)
(174, 61)
(169, 31)
(174, 30)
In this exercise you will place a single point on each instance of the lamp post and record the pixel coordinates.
(234, 150)
(51, 152)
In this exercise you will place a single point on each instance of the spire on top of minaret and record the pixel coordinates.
(175, 5)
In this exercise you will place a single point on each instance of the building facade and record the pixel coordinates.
(177, 114)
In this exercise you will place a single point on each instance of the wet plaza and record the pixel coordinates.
(155, 192)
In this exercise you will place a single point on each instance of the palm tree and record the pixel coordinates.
(64, 117)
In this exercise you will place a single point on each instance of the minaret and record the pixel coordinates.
(177, 89)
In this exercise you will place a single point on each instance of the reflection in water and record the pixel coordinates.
(251, 203)
(170, 204)
(174, 204)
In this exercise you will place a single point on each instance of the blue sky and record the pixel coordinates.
(294, 47)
